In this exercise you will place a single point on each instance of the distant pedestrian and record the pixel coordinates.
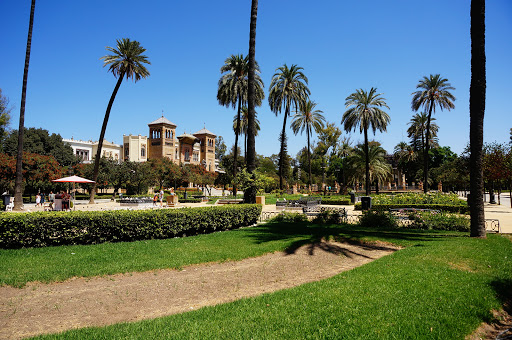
(161, 197)
(38, 200)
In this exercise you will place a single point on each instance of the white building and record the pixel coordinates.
(86, 150)
(135, 148)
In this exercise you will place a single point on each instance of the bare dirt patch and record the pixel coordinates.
(81, 302)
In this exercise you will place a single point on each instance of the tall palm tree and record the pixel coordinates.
(127, 61)
(417, 131)
(288, 87)
(18, 183)
(434, 92)
(477, 92)
(365, 111)
(233, 90)
(310, 119)
(244, 125)
(250, 194)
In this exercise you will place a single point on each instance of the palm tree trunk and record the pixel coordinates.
(477, 93)
(235, 152)
(250, 193)
(283, 146)
(102, 135)
(425, 153)
(367, 161)
(309, 157)
(18, 184)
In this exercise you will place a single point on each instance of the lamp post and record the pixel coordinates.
(323, 175)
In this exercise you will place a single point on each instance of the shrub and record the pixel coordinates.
(190, 200)
(419, 198)
(378, 219)
(328, 217)
(42, 229)
(438, 221)
(289, 217)
(443, 207)
(332, 200)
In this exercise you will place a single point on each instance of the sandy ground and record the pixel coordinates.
(82, 302)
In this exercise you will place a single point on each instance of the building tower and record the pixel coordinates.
(207, 156)
(162, 140)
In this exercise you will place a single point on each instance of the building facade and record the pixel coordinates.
(86, 150)
(135, 148)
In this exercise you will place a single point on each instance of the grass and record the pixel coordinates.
(441, 286)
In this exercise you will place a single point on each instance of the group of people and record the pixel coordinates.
(63, 195)
(159, 196)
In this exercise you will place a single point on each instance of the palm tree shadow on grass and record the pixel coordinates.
(314, 235)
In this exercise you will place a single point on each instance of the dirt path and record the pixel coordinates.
(81, 302)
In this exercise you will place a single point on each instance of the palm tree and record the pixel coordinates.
(365, 111)
(288, 87)
(126, 61)
(476, 111)
(310, 119)
(417, 131)
(232, 91)
(250, 193)
(379, 168)
(244, 125)
(18, 183)
(434, 91)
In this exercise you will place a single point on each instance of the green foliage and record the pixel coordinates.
(190, 200)
(418, 198)
(378, 219)
(462, 209)
(42, 229)
(438, 221)
(328, 217)
(333, 200)
(4, 117)
(288, 217)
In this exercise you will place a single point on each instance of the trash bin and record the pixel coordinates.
(366, 202)
(185, 195)
(7, 199)
(467, 199)
(352, 197)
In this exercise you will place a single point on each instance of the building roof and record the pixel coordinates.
(162, 120)
(188, 136)
(204, 131)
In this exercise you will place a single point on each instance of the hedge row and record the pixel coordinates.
(190, 200)
(335, 201)
(43, 229)
(462, 209)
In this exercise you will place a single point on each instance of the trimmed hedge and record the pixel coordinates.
(43, 229)
(190, 200)
(335, 201)
(461, 209)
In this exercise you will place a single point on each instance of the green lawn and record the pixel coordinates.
(440, 286)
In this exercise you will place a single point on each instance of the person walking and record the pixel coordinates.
(161, 197)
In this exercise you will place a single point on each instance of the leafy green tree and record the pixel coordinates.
(18, 186)
(364, 110)
(220, 148)
(434, 91)
(233, 90)
(41, 142)
(288, 87)
(417, 131)
(127, 60)
(309, 119)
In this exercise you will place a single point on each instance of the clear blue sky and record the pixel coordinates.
(342, 46)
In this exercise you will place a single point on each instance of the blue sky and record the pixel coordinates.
(342, 46)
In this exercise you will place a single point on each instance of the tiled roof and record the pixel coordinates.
(162, 120)
(204, 131)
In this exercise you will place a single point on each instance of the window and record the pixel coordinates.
(176, 154)
(82, 154)
(143, 151)
(196, 157)
(187, 156)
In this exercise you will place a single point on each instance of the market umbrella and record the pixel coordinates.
(73, 179)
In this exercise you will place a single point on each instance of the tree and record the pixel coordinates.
(41, 142)
(310, 119)
(477, 93)
(379, 168)
(434, 92)
(5, 117)
(220, 148)
(417, 131)
(18, 190)
(233, 90)
(127, 61)
(365, 111)
(250, 193)
(244, 124)
(288, 87)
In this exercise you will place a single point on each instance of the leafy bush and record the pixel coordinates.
(378, 219)
(443, 207)
(289, 217)
(42, 229)
(190, 200)
(328, 217)
(333, 200)
(438, 221)
(419, 198)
